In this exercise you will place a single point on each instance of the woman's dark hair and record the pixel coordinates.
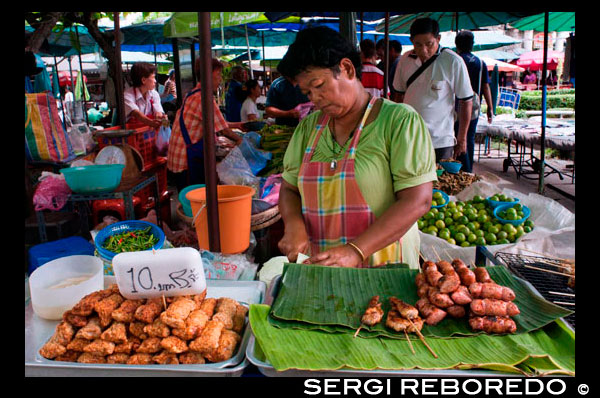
(139, 70)
(247, 88)
(367, 48)
(216, 64)
(395, 44)
(319, 47)
(464, 41)
(424, 26)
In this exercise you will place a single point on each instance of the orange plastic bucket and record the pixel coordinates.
(235, 210)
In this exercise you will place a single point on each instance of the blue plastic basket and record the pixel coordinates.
(451, 167)
(94, 178)
(494, 203)
(185, 203)
(130, 225)
(446, 198)
(526, 214)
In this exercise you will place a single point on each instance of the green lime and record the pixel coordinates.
(472, 216)
(518, 207)
(487, 225)
(420, 224)
(527, 229)
(451, 241)
(437, 195)
(511, 237)
(429, 215)
(452, 205)
(471, 237)
(501, 235)
(511, 210)
(476, 224)
(460, 237)
(448, 221)
(462, 220)
(482, 218)
(480, 241)
(440, 224)
(471, 226)
(519, 234)
(432, 233)
(493, 230)
(465, 244)
(463, 229)
(480, 233)
(529, 223)
(490, 237)
(478, 199)
(444, 234)
(440, 216)
(434, 211)
(433, 203)
(503, 242)
(457, 215)
(520, 228)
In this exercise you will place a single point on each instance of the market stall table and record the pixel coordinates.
(526, 133)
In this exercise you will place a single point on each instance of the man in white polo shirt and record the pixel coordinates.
(429, 79)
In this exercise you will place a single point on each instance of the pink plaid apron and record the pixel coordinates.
(334, 209)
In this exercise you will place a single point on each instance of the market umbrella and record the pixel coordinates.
(483, 40)
(494, 87)
(502, 55)
(557, 22)
(448, 20)
(501, 66)
(72, 40)
(534, 59)
(185, 24)
(64, 77)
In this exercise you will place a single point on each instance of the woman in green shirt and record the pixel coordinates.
(358, 172)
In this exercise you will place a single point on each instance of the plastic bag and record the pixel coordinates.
(304, 109)
(162, 140)
(230, 267)
(84, 136)
(51, 193)
(257, 159)
(234, 170)
(271, 189)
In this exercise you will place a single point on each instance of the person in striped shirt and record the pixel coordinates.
(372, 76)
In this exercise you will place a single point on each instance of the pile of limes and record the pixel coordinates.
(516, 213)
(499, 197)
(437, 199)
(471, 223)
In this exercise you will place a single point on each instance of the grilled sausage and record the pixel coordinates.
(404, 309)
(457, 263)
(449, 282)
(420, 279)
(482, 275)
(433, 275)
(456, 311)
(461, 296)
(491, 291)
(494, 307)
(439, 299)
(444, 267)
(432, 314)
(467, 276)
(423, 290)
(493, 324)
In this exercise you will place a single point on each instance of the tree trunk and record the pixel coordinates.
(42, 30)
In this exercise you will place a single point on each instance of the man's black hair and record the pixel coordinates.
(464, 41)
(424, 26)
(320, 47)
(395, 44)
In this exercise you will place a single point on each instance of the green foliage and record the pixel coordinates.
(533, 103)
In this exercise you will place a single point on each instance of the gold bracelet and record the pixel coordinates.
(358, 250)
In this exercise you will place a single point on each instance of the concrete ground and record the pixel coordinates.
(491, 169)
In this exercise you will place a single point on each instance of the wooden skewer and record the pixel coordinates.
(563, 303)
(420, 267)
(545, 255)
(409, 342)
(547, 270)
(358, 330)
(422, 338)
(436, 253)
(164, 302)
(555, 265)
(563, 294)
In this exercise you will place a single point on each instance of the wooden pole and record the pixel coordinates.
(177, 71)
(249, 55)
(119, 75)
(386, 56)
(193, 58)
(208, 127)
(362, 24)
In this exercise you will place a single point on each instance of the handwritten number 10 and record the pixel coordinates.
(139, 279)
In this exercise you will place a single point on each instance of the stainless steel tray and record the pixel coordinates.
(256, 358)
(38, 331)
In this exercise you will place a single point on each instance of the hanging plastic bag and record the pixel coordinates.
(162, 140)
(257, 159)
(51, 193)
(234, 170)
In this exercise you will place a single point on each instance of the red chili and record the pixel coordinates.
(120, 240)
(132, 234)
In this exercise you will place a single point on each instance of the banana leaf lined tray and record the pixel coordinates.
(542, 344)
(333, 299)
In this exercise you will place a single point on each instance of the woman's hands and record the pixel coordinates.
(293, 243)
(340, 256)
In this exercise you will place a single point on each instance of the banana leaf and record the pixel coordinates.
(333, 300)
(549, 350)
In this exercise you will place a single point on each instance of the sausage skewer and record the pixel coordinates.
(372, 315)
(422, 338)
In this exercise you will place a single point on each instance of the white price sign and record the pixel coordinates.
(156, 273)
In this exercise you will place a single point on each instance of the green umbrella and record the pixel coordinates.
(448, 20)
(557, 22)
(494, 88)
(185, 24)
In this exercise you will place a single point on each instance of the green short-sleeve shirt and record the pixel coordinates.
(394, 153)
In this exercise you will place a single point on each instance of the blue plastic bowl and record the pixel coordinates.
(494, 203)
(451, 167)
(129, 225)
(185, 203)
(446, 198)
(94, 178)
(526, 214)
